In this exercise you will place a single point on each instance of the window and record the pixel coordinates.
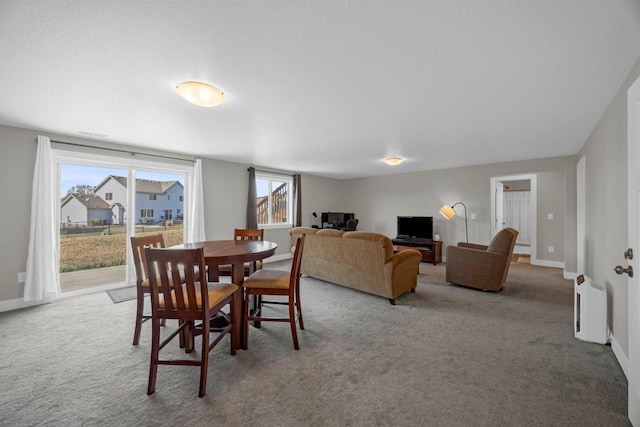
(152, 196)
(274, 199)
(146, 213)
(168, 214)
(168, 197)
(108, 196)
(182, 198)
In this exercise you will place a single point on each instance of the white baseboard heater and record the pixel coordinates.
(590, 311)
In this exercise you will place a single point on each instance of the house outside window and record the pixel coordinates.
(274, 206)
(108, 196)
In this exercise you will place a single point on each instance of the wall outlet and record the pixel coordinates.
(550, 249)
(22, 277)
(549, 216)
(473, 216)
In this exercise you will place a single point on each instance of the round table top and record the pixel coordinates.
(233, 251)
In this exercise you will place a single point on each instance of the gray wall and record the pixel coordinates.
(377, 202)
(606, 187)
(225, 199)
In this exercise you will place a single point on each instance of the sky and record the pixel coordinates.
(72, 175)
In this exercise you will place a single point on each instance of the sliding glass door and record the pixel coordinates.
(105, 200)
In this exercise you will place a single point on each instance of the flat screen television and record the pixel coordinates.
(415, 227)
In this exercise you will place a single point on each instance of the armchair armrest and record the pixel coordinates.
(472, 246)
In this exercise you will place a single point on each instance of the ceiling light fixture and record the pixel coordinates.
(393, 161)
(201, 94)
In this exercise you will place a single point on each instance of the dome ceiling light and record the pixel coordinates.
(393, 161)
(201, 94)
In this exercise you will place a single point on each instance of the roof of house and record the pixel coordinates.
(143, 185)
(90, 201)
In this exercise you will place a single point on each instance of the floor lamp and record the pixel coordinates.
(448, 212)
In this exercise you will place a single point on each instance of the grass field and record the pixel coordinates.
(84, 252)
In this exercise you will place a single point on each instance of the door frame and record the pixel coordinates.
(581, 212)
(532, 178)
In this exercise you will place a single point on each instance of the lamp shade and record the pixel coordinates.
(201, 94)
(447, 211)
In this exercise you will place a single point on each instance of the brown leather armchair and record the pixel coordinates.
(480, 266)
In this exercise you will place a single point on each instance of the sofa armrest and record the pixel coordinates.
(403, 268)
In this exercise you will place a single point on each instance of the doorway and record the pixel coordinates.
(514, 204)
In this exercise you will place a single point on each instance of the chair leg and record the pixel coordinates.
(257, 306)
(299, 306)
(204, 359)
(292, 321)
(139, 309)
(155, 350)
(245, 322)
(235, 309)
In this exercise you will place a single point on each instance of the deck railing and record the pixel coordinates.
(279, 203)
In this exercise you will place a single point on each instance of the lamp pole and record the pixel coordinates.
(466, 223)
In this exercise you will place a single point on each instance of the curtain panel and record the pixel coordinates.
(297, 200)
(196, 232)
(252, 214)
(516, 214)
(42, 279)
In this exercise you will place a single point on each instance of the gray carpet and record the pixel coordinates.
(443, 356)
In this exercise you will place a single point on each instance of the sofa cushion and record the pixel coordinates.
(383, 241)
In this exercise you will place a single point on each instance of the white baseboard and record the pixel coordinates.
(622, 358)
(15, 304)
(569, 275)
(544, 263)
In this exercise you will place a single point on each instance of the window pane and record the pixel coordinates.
(93, 214)
(280, 202)
(262, 202)
(159, 199)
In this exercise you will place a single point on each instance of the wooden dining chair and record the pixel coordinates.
(193, 304)
(138, 245)
(274, 283)
(244, 234)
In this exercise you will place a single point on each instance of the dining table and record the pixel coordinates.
(236, 253)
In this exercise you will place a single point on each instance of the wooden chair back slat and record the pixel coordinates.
(171, 266)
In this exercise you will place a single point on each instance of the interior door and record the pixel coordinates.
(633, 146)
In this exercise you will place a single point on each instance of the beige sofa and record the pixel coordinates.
(360, 260)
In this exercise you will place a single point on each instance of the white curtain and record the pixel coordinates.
(43, 281)
(516, 214)
(196, 206)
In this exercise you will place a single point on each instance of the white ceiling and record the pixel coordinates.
(322, 87)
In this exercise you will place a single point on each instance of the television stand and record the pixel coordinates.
(431, 250)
